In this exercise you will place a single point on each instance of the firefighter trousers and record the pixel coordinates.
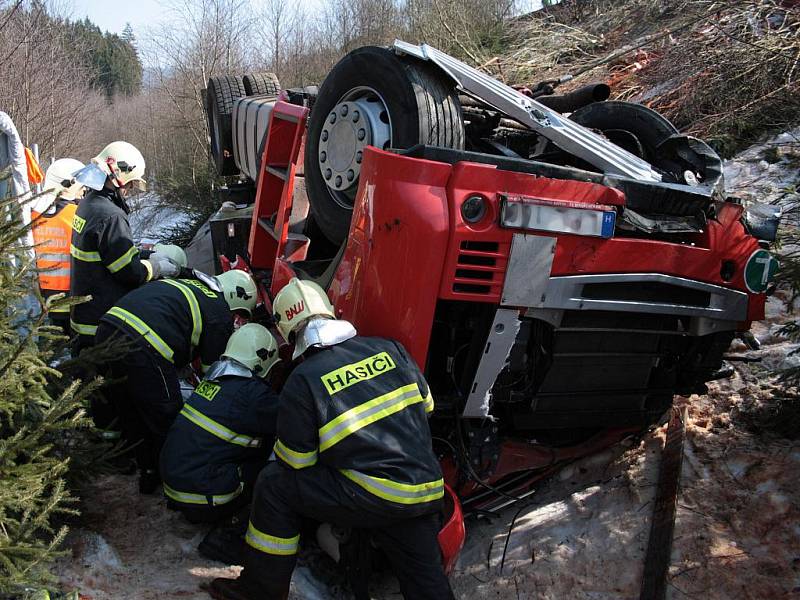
(102, 407)
(284, 498)
(216, 513)
(147, 395)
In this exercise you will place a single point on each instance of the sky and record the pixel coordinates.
(111, 15)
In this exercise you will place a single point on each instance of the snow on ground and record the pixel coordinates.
(131, 547)
(150, 222)
(583, 535)
(766, 172)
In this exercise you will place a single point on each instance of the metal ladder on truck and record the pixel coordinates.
(271, 244)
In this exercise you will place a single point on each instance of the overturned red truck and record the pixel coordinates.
(559, 279)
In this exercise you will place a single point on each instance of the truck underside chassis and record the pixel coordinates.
(558, 288)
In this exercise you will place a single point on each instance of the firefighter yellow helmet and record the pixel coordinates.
(123, 163)
(297, 301)
(60, 178)
(253, 346)
(239, 289)
(172, 252)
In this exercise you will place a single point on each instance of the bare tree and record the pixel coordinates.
(41, 87)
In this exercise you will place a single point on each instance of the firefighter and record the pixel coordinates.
(353, 448)
(105, 263)
(222, 438)
(52, 215)
(163, 326)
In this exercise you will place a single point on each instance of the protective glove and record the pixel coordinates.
(162, 267)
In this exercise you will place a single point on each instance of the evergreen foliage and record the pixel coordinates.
(111, 59)
(41, 419)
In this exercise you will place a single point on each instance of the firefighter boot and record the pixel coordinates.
(149, 480)
(223, 544)
(236, 589)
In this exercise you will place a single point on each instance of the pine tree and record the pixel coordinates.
(128, 35)
(41, 416)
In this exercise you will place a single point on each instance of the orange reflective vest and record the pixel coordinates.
(52, 235)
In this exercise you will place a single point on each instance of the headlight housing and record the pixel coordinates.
(557, 216)
(473, 209)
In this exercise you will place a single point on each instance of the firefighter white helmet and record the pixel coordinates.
(123, 164)
(60, 178)
(172, 252)
(253, 346)
(239, 290)
(298, 301)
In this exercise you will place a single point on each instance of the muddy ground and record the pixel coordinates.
(582, 536)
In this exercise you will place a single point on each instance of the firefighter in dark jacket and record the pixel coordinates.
(353, 448)
(164, 326)
(105, 262)
(223, 436)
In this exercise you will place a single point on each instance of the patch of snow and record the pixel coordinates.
(749, 176)
(98, 553)
(150, 222)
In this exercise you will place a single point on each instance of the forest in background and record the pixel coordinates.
(72, 88)
(725, 70)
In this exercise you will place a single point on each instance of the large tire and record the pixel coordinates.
(635, 127)
(653, 137)
(261, 84)
(221, 93)
(422, 106)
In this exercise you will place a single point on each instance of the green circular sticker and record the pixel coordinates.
(759, 271)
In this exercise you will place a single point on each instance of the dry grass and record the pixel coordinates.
(723, 70)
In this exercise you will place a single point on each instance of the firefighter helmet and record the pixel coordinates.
(239, 289)
(60, 178)
(253, 346)
(123, 164)
(297, 301)
(172, 252)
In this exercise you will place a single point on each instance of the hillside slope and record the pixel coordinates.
(725, 71)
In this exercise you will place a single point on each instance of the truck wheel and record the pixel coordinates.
(221, 93)
(635, 127)
(372, 97)
(261, 84)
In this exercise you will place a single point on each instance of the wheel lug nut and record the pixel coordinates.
(338, 181)
(323, 156)
(359, 156)
(324, 135)
(361, 134)
(332, 118)
(343, 110)
(356, 116)
(351, 175)
(328, 173)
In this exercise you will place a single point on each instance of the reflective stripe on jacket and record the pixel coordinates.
(361, 407)
(214, 435)
(177, 318)
(51, 236)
